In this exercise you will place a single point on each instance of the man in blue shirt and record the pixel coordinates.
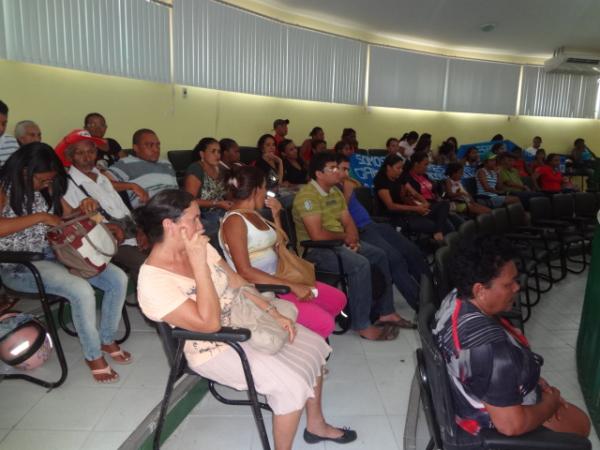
(406, 261)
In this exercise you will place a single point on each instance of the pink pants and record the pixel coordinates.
(319, 313)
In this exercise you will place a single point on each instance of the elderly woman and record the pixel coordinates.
(249, 244)
(204, 180)
(184, 282)
(497, 382)
(32, 184)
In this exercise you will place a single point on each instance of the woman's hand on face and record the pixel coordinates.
(287, 324)
(88, 205)
(302, 291)
(49, 219)
(274, 205)
(195, 246)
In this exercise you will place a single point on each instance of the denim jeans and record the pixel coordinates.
(80, 294)
(405, 260)
(357, 266)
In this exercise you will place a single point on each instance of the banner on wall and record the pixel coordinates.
(484, 147)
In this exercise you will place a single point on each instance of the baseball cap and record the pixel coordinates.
(73, 137)
(488, 156)
(279, 122)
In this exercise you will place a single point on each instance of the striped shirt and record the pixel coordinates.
(153, 177)
(491, 177)
(8, 145)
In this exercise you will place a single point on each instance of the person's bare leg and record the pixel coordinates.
(315, 422)
(571, 419)
(284, 429)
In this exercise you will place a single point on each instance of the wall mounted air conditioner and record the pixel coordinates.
(579, 62)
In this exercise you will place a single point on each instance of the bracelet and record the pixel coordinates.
(269, 308)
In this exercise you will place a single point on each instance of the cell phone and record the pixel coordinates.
(271, 194)
(315, 292)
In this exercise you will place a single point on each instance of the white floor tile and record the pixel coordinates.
(347, 399)
(215, 434)
(3, 432)
(128, 408)
(43, 439)
(148, 372)
(374, 432)
(18, 397)
(68, 409)
(105, 440)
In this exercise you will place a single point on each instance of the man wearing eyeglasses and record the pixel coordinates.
(320, 213)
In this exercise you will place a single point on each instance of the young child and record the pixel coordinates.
(460, 199)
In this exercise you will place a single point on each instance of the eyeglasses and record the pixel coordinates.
(331, 169)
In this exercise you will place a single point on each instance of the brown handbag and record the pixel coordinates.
(290, 267)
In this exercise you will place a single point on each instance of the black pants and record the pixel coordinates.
(434, 222)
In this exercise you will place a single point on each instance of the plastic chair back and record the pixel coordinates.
(249, 155)
(517, 215)
(441, 272)
(562, 206)
(365, 197)
(501, 220)
(540, 208)
(485, 224)
(180, 160)
(585, 204)
(468, 229)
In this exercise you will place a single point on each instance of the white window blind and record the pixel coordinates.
(116, 37)
(557, 94)
(482, 87)
(404, 79)
(221, 47)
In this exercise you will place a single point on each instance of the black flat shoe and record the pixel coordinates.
(348, 436)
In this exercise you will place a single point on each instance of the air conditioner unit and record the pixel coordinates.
(579, 62)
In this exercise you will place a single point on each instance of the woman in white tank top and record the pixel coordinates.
(248, 243)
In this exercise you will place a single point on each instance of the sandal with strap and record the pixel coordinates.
(119, 356)
(104, 371)
(402, 323)
(388, 332)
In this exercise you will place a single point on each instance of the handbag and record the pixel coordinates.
(267, 335)
(83, 245)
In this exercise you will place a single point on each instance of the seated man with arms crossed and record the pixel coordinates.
(144, 174)
(320, 213)
(85, 180)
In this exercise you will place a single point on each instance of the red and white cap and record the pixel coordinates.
(72, 138)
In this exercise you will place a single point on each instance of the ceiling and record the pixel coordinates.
(526, 28)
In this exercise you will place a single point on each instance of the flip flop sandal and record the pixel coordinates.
(105, 371)
(388, 332)
(402, 323)
(124, 359)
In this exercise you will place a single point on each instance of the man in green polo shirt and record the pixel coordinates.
(320, 213)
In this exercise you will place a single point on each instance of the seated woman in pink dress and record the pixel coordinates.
(249, 246)
(184, 282)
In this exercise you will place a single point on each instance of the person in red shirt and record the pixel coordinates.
(519, 162)
(316, 134)
(547, 178)
(280, 127)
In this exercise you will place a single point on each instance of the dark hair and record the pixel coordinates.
(3, 108)
(446, 148)
(315, 130)
(262, 140)
(16, 177)
(346, 132)
(497, 137)
(316, 142)
(201, 146)
(578, 141)
(452, 168)
(479, 260)
(167, 204)
(539, 151)
(340, 158)
(243, 180)
(390, 140)
(423, 142)
(226, 144)
(415, 159)
(339, 146)
(453, 140)
(537, 137)
(283, 144)
(389, 160)
(139, 133)
(89, 116)
(410, 136)
(318, 163)
(506, 155)
(550, 157)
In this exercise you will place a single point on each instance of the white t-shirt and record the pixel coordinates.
(408, 149)
(100, 190)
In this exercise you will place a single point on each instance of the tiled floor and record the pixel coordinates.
(367, 389)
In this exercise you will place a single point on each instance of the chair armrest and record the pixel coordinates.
(542, 439)
(20, 257)
(275, 288)
(322, 244)
(225, 334)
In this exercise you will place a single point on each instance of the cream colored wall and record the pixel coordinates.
(58, 99)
